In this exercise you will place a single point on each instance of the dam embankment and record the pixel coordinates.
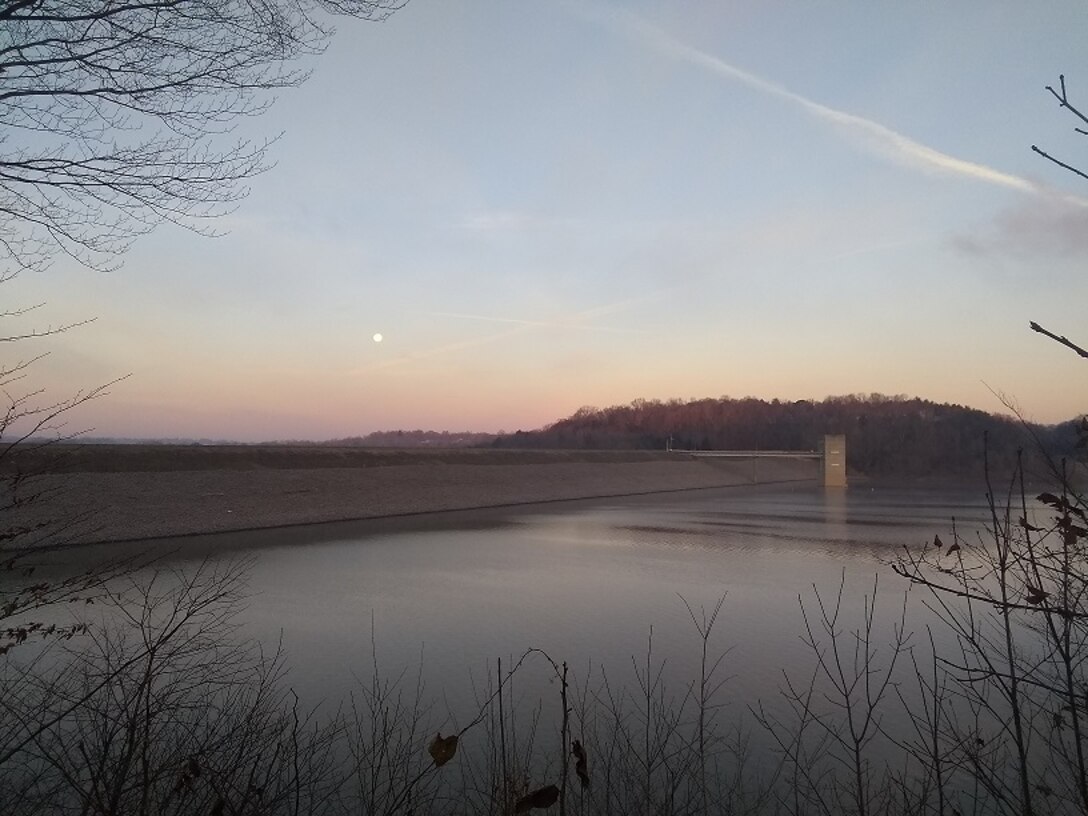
(129, 492)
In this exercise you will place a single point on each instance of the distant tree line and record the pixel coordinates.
(886, 436)
(414, 439)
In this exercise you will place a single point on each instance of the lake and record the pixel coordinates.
(585, 581)
(610, 588)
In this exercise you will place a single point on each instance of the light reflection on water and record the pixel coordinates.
(587, 581)
(584, 581)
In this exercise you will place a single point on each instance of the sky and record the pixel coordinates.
(544, 206)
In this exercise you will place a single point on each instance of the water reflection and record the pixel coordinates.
(584, 581)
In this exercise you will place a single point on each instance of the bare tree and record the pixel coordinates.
(1006, 724)
(117, 116)
(828, 727)
(1063, 101)
(163, 709)
(114, 117)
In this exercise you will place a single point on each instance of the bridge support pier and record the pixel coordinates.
(834, 460)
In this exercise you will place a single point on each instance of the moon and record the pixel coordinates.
(378, 337)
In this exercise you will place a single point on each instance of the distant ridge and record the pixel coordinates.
(415, 439)
(886, 436)
(378, 439)
(127, 440)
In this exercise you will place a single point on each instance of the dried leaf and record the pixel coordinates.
(1035, 596)
(581, 767)
(1031, 528)
(540, 798)
(442, 749)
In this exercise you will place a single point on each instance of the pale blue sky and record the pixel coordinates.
(544, 206)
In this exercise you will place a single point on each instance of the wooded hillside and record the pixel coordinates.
(886, 436)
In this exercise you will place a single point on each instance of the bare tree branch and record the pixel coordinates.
(1063, 101)
(117, 117)
(1060, 163)
(1063, 340)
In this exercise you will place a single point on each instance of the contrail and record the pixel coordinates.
(548, 324)
(876, 136)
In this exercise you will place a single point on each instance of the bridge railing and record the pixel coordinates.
(750, 454)
(832, 453)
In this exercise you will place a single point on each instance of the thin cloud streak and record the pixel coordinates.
(547, 324)
(435, 351)
(521, 327)
(868, 250)
(875, 135)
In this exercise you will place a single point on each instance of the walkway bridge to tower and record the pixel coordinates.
(831, 453)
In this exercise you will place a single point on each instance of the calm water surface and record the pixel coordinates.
(585, 581)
